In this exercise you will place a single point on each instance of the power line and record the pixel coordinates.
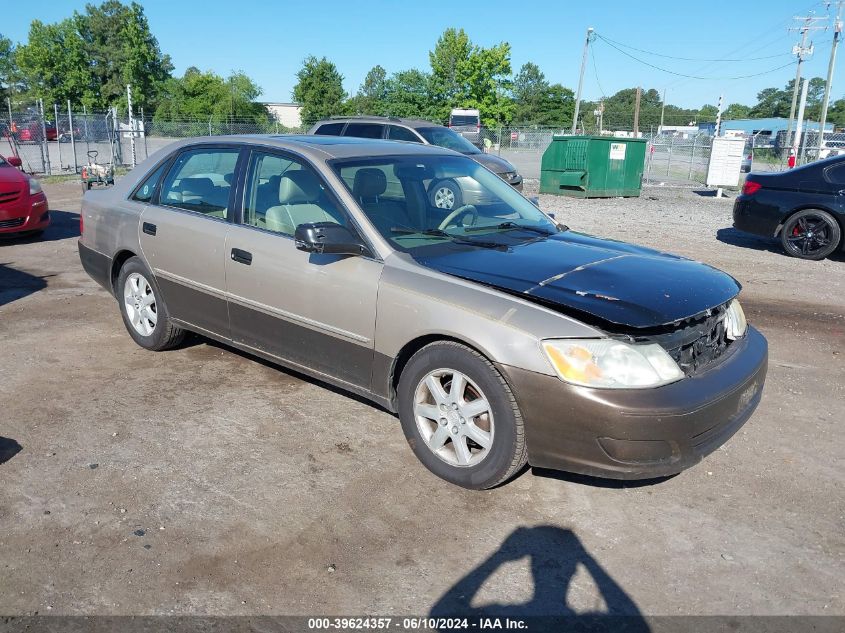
(672, 72)
(690, 59)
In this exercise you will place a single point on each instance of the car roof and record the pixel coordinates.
(326, 147)
(384, 120)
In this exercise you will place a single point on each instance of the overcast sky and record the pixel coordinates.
(269, 39)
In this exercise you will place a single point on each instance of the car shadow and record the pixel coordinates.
(8, 449)
(16, 284)
(734, 237)
(711, 193)
(555, 556)
(63, 225)
(598, 482)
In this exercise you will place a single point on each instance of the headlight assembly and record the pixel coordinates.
(610, 364)
(34, 186)
(735, 323)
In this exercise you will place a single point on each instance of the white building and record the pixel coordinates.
(287, 114)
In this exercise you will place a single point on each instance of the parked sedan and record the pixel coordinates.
(23, 205)
(803, 207)
(498, 336)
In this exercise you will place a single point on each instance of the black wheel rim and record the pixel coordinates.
(809, 235)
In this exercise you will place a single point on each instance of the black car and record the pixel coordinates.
(804, 207)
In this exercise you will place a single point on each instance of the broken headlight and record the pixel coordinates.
(610, 364)
(735, 323)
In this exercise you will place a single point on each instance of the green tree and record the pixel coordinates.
(736, 111)
(708, 112)
(407, 95)
(536, 102)
(55, 66)
(204, 96)
(123, 51)
(464, 75)
(7, 67)
(371, 95)
(319, 90)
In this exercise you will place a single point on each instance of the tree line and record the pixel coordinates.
(89, 58)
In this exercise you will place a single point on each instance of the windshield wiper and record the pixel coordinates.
(509, 226)
(454, 238)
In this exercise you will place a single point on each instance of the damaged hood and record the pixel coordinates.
(612, 281)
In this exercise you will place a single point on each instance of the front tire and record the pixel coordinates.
(446, 195)
(810, 234)
(460, 417)
(143, 310)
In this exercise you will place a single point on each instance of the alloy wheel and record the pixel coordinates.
(444, 198)
(454, 417)
(140, 303)
(808, 235)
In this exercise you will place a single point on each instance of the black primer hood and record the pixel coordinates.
(613, 281)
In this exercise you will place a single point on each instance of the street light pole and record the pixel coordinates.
(587, 41)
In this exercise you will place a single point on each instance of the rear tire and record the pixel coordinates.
(810, 234)
(143, 310)
(446, 431)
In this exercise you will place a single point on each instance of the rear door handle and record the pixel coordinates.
(242, 257)
(149, 229)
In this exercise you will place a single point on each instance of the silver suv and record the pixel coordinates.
(418, 131)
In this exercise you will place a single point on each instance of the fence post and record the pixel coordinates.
(144, 130)
(45, 151)
(58, 133)
(692, 157)
(72, 140)
(669, 160)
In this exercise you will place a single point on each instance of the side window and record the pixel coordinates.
(330, 129)
(396, 133)
(201, 180)
(144, 193)
(283, 193)
(364, 130)
(836, 174)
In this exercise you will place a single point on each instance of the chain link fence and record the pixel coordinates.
(62, 140)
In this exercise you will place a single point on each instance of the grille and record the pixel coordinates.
(10, 224)
(9, 196)
(696, 345)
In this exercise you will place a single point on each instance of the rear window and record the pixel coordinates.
(330, 129)
(364, 130)
(396, 133)
(463, 119)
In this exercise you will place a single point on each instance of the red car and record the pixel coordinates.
(23, 205)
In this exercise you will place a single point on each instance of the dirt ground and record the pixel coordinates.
(202, 481)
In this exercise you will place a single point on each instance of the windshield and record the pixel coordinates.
(444, 137)
(420, 201)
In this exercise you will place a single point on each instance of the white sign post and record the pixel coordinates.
(725, 162)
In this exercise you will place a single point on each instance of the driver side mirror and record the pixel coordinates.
(328, 238)
(15, 161)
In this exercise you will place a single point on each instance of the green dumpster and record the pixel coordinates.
(593, 166)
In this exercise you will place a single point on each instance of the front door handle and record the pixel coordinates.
(242, 257)
(149, 229)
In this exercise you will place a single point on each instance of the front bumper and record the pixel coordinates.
(28, 213)
(640, 433)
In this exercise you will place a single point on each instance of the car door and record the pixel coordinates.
(313, 311)
(183, 235)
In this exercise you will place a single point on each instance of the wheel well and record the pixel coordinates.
(117, 263)
(412, 347)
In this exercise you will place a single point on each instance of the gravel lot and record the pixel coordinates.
(202, 481)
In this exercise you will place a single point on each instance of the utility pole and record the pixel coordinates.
(837, 31)
(587, 41)
(637, 112)
(662, 110)
(131, 124)
(797, 141)
(802, 51)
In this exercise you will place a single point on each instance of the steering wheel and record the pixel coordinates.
(466, 209)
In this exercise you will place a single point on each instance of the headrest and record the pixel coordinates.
(197, 186)
(369, 183)
(297, 187)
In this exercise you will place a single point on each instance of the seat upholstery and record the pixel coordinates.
(369, 185)
(301, 200)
